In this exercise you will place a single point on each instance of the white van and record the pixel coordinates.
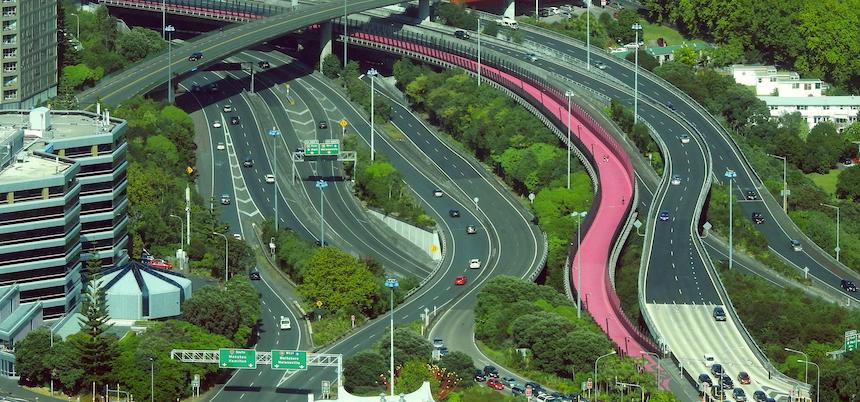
(508, 23)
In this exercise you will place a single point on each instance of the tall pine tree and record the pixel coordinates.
(97, 349)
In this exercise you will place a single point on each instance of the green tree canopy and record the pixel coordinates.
(139, 43)
(363, 370)
(355, 290)
(408, 345)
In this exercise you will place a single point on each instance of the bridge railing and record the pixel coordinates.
(230, 10)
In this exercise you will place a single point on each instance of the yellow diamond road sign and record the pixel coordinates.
(434, 248)
(343, 123)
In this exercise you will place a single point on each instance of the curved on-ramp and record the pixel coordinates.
(615, 174)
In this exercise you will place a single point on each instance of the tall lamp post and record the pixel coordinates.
(344, 34)
(181, 230)
(784, 181)
(568, 94)
(372, 73)
(837, 249)
(817, 378)
(78, 28)
(806, 363)
(168, 30)
(588, 35)
(275, 133)
(479, 50)
(657, 362)
(730, 174)
(322, 184)
(579, 216)
(636, 28)
(163, 17)
(151, 379)
(392, 283)
(226, 254)
(597, 383)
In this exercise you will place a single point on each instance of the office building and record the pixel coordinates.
(62, 201)
(841, 110)
(29, 73)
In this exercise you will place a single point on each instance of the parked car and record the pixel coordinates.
(509, 381)
(848, 285)
(479, 375)
(491, 371)
(719, 314)
(494, 383)
(159, 263)
(518, 389)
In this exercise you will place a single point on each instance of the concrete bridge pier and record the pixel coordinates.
(423, 11)
(510, 9)
(325, 41)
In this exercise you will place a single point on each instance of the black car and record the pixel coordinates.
(705, 378)
(479, 375)
(248, 162)
(670, 105)
(518, 389)
(322, 125)
(490, 371)
(263, 64)
(454, 213)
(739, 395)
(848, 285)
(758, 218)
(254, 275)
(752, 195)
(235, 120)
(759, 396)
(461, 34)
(320, 244)
(195, 56)
(717, 369)
(719, 314)
(727, 382)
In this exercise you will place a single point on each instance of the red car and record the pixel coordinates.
(743, 377)
(460, 280)
(159, 264)
(494, 383)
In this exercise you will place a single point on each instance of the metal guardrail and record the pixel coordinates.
(225, 10)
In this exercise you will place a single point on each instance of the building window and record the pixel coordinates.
(802, 107)
(96, 169)
(31, 215)
(97, 188)
(795, 86)
(817, 85)
(807, 87)
(825, 107)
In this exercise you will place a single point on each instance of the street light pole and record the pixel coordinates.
(657, 362)
(275, 133)
(78, 28)
(226, 254)
(372, 73)
(579, 216)
(588, 35)
(151, 379)
(730, 174)
(181, 230)
(806, 365)
(169, 31)
(568, 94)
(817, 378)
(344, 34)
(163, 17)
(597, 383)
(322, 184)
(837, 249)
(627, 384)
(392, 283)
(479, 50)
(784, 181)
(636, 28)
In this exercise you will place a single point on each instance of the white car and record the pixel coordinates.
(270, 178)
(676, 180)
(227, 108)
(216, 124)
(237, 236)
(474, 263)
(285, 323)
(709, 360)
(685, 139)
(438, 193)
(220, 145)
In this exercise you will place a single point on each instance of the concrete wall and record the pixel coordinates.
(427, 241)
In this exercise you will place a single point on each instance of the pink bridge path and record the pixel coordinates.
(616, 182)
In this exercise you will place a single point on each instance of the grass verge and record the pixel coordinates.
(826, 182)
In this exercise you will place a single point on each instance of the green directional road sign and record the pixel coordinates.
(852, 341)
(289, 360)
(237, 358)
(327, 148)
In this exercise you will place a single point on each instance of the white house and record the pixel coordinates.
(841, 110)
(768, 81)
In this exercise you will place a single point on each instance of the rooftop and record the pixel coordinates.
(33, 166)
(64, 124)
(811, 100)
